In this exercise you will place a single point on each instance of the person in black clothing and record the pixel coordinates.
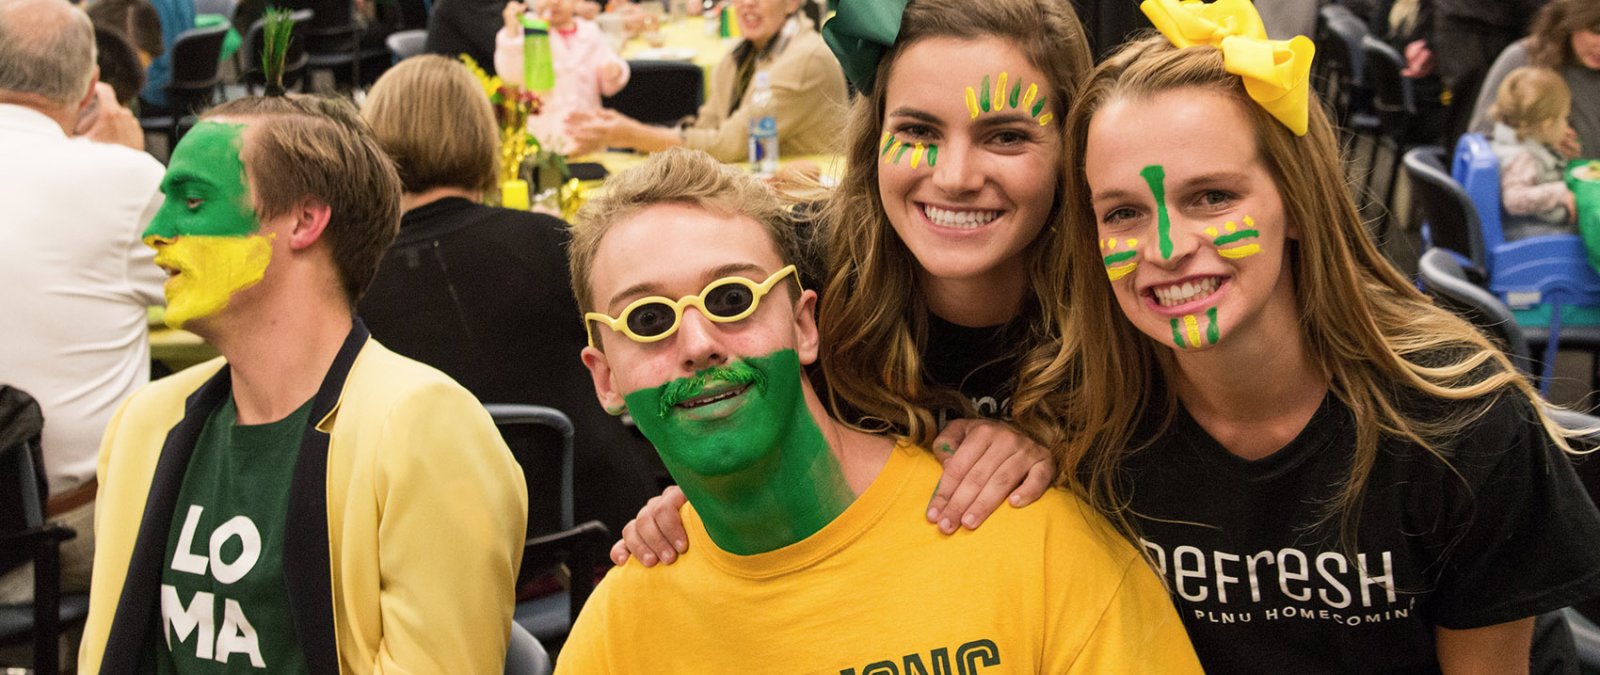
(1332, 473)
(481, 292)
(942, 307)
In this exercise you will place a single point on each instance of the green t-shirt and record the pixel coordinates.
(224, 607)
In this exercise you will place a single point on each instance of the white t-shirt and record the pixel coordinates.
(74, 281)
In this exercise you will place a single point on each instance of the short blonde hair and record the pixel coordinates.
(1529, 97)
(674, 176)
(431, 116)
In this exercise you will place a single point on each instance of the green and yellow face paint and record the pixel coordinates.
(744, 447)
(1186, 330)
(206, 231)
(1119, 256)
(1226, 239)
(892, 150)
(984, 99)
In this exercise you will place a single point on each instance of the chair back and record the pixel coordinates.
(22, 478)
(1450, 220)
(1445, 280)
(406, 43)
(294, 61)
(196, 57)
(660, 92)
(1337, 73)
(1393, 100)
(524, 654)
(1477, 169)
(540, 439)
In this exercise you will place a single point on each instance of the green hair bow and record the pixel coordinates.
(859, 33)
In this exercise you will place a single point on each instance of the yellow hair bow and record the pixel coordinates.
(1276, 73)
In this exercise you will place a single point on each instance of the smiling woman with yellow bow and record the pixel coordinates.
(1333, 474)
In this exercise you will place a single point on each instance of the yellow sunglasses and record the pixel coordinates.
(725, 300)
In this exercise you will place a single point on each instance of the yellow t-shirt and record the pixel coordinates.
(1045, 589)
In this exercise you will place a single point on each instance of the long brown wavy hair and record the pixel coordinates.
(874, 316)
(1550, 43)
(1380, 343)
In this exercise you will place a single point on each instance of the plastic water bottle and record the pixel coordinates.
(538, 70)
(763, 126)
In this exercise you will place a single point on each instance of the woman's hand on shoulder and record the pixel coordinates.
(986, 463)
(656, 533)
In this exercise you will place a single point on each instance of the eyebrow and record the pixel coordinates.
(653, 288)
(916, 114)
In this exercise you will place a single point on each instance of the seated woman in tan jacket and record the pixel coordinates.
(808, 91)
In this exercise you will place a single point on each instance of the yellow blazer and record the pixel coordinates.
(405, 528)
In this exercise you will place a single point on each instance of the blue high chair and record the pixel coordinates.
(1546, 280)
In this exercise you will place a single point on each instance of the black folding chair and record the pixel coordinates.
(1450, 220)
(196, 74)
(660, 92)
(540, 439)
(25, 536)
(295, 61)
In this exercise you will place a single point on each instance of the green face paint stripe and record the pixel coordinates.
(888, 141)
(1155, 177)
(933, 154)
(901, 152)
(1226, 239)
(1119, 257)
(1212, 332)
(1177, 334)
(983, 95)
(1016, 91)
(1038, 106)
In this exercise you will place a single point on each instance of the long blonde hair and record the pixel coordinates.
(1380, 343)
(871, 349)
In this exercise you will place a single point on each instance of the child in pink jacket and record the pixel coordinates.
(586, 66)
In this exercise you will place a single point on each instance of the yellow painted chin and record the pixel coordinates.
(210, 271)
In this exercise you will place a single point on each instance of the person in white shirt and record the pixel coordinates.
(77, 278)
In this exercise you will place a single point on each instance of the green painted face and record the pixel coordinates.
(205, 185)
(725, 436)
(754, 464)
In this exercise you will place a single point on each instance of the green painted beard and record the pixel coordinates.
(754, 463)
(726, 436)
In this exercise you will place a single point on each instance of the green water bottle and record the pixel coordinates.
(538, 72)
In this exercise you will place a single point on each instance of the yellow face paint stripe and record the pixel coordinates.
(916, 155)
(1027, 98)
(1191, 326)
(972, 103)
(1116, 272)
(1238, 252)
(1000, 92)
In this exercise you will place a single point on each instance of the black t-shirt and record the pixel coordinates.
(1260, 589)
(482, 294)
(981, 363)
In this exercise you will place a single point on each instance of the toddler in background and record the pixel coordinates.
(586, 66)
(1530, 114)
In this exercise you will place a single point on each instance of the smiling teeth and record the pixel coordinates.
(1177, 294)
(960, 219)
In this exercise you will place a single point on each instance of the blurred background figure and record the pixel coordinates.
(807, 85)
(480, 292)
(586, 67)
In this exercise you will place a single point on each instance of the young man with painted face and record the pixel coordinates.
(808, 548)
(311, 502)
